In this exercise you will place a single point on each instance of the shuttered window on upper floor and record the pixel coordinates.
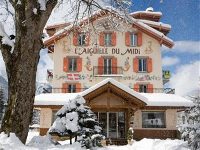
(133, 39)
(142, 64)
(72, 64)
(107, 39)
(81, 39)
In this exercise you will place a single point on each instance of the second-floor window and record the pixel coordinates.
(72, 64)
(71, 88)
(133, 39)
(142, 88)
(142, 65)
(81, 39)
(107, 39)
(107, 65)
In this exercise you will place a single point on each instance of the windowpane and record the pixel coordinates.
(133, 39)
(142, 64)
(72, 64)
(54, 116)
(81, 39)
(121, 125)
(71, 88)
(153, 120)
(107, 66)
(107, 39)
(143, 88)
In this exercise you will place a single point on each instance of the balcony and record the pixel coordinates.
(107, 71)
(154, 90)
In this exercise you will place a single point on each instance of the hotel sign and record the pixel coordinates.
(94, 51)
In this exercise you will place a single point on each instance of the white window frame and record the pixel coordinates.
(133, 39)
(81, 39)
(143, 63)
(73, 62)
(72, 88)
(107, 66)
(156, 122)
(143, 88)
(107, 39)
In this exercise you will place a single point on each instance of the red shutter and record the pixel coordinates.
(101, 39)
(87, 40)
(114, 65)
(149, 65)
(127, 39)
(113, 39)
(100, 66)
(136, 87)
(79, 64)
(135, 64)
(78, 87)
(65, 64)
(139, 39)
(75, 39)
(64, 88)
(150, 88)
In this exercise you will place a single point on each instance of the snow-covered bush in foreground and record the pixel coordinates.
(190, 126)
(77, 120)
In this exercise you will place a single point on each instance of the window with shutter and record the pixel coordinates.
(65, 64)
(100, 65)
(72, 64)
(143, 88)
(64, 88)
(71, 88)
(136, 87)
(133, 39)
(142, 64)
(107, 39)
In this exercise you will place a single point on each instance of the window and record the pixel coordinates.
(54, 116)
(72, 64)
(71, 88)
(133, 39)
(153, 119)
(142, 64)
(107, 65)
(142, 88)
(107, 39)
(81, 39)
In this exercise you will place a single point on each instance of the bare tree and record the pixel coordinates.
(21, 56)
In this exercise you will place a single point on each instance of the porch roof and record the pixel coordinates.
(148, 99)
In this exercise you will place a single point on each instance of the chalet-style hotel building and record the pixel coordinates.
(115, 64)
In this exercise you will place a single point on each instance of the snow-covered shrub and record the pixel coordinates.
(77, 120)
(190, 126)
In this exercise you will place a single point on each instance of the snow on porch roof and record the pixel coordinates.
(162, 99)
(151, 99)
(54, 98)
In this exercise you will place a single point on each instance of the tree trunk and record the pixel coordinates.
(21, 83)
(21, 65)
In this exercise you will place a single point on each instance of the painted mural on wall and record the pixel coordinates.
(88, 64)
(149, 49)
(90, 77)
(126, 65)
(142, 77)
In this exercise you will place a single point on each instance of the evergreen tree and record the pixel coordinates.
(77, 120)
(190, 126)
(1, 103)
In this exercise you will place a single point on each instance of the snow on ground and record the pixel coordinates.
(35, 142)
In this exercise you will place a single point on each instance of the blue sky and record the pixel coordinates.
(183, 60)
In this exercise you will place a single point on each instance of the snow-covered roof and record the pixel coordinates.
(151, 99)
(162, 99)
(54, 98)
(165, 40)
(155, 23)
(147, 12)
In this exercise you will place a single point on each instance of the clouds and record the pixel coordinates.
(190, 47)
(186, 78)
(170, 61)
